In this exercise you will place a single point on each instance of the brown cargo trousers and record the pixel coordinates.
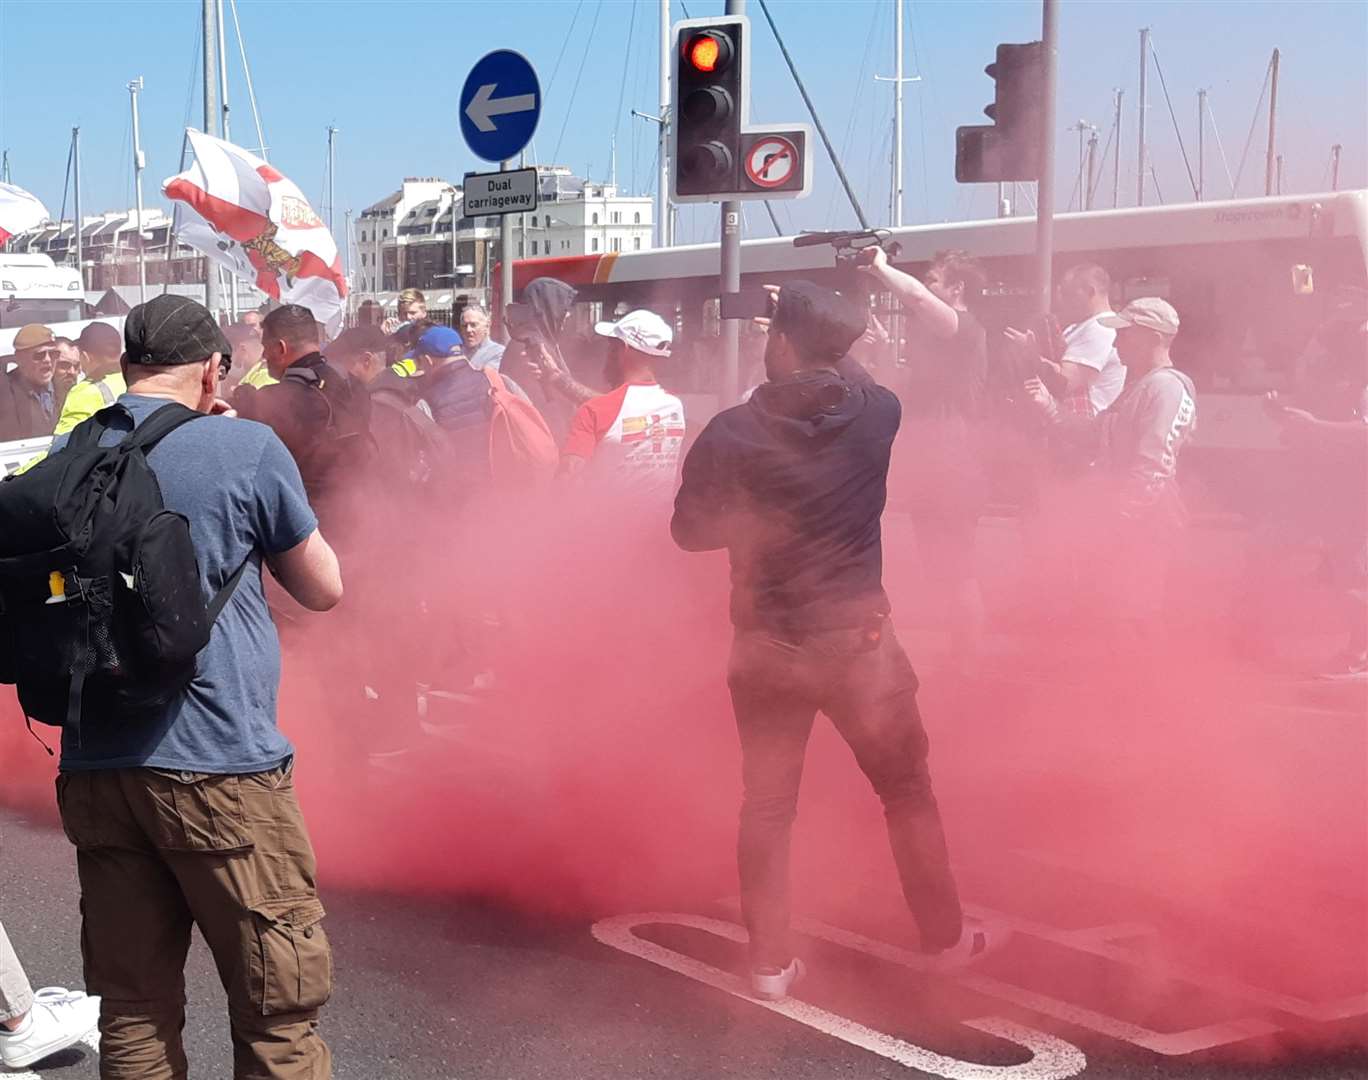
(158, 852)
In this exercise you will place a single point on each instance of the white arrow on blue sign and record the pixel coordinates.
(500, 105)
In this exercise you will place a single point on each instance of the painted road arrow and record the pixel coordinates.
(484, 106)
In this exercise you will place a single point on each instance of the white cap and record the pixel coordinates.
(642, 330)
(1148, 312)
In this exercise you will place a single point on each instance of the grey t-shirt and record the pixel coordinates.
(240, 489)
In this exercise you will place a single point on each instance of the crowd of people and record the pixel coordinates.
(188, 815)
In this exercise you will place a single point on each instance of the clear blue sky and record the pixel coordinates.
(388, 75)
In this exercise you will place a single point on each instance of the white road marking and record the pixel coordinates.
(1051, 1058)
(1170, 1044)
(1089, 941)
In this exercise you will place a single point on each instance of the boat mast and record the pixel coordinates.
(664, 232)
(139, 163)
(213, 287)
(80, 222)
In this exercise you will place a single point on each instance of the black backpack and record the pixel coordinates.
(413, 447)
(101, 613)
(345, 445)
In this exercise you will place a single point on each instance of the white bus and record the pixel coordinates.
(1254, 280)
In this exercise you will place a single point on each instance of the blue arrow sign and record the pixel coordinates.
(500, 105)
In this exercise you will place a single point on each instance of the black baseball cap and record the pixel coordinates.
(170, 330)
(822, 322)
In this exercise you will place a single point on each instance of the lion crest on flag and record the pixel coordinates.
(263, 227)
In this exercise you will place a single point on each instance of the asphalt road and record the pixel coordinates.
(456, 988)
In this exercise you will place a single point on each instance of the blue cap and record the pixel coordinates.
(439, 341)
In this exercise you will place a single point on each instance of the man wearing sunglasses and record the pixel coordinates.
(29, 401)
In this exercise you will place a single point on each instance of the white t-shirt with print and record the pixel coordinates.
(635, 432)
(1093, 345)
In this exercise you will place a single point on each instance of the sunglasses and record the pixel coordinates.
(47, 354)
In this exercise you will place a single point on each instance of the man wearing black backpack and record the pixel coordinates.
(321, 414)
(182, 811)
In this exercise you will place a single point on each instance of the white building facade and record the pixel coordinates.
(406, 240)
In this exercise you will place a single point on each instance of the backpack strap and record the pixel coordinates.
(86, 434)
(157, 426)
(496, 382)
(221, 598)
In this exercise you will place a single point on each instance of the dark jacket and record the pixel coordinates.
(793, 483)
(21, 417)
(322, 415)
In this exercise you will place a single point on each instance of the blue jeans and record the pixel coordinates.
(864, 682)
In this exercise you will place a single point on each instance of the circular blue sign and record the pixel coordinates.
(500, 105)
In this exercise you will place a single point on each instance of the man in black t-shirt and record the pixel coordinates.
(792, 484)
(938, 460)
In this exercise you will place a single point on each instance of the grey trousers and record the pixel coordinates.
(16, 996)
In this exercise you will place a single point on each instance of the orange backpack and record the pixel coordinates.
(522, 450)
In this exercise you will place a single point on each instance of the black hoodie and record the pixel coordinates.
(793, 483)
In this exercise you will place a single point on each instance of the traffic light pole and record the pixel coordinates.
(1045, 192)
(730, 390)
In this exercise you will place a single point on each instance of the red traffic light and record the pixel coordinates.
(708, 52)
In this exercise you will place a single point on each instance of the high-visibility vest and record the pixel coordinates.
(259, 376)
(87, 398)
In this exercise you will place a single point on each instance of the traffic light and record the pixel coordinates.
(711, 88)
(1008, 148)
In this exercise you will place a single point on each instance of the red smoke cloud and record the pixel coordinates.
(1079, 787)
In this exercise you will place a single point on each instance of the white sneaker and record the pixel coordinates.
(772, 983)
(59, 1018)
(978, 941)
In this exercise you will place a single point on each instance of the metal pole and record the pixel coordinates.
(664, 234)
(80, 224)
(346, 245)
(1201, 144)
(898, 114)
(1045, 194)
(1092, 171)
(1142, 167)
(332, 172)
(1278, 183)
(522, 218)
(139, 163)
(730, 266)
(223, 71)
(1270, 163)
(505, 258)
(1334, 168)
(213, 289)
(1080, 127)
(1116, 154)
